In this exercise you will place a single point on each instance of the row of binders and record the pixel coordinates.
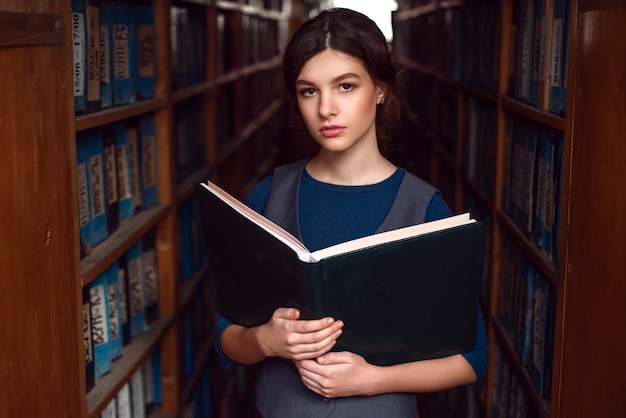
(140, 396)
(117, 176)
(538, 61)
(526, 310)
(118, 305)
(114, 53)
(532, 181)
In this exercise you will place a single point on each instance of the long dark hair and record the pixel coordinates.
(354, 34)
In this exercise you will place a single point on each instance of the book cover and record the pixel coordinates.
(106, 55)
(123, 402)
(124, 176)
(84, 214)
(146, 50)
(100, 325)
(92, 21)
(124, 53)
(148, 160)
(113, 299)
(79, 53)
(97, 192)
(110, 180)
(151, 275)
(428, 275)
(136, 291)
(87, 342)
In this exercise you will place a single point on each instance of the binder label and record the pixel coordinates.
(123, 299)
(87, 333)
(148, 157)
(105, 72)
(121, 51)
(78, 43)
(93, 53)
(97, 185)
(114, 320)
(146, 53)
(99, 330)
(83, 196)
(135, 288)
(110, 172)
(150, 277)
(123, 177)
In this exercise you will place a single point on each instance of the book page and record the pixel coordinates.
(272, 228)
(390, 236)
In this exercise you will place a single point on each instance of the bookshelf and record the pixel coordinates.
(491, 130)
(215, 112)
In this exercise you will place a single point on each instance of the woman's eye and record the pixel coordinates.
(346, 87)
(308, 92)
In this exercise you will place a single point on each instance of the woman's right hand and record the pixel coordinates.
(286, 336)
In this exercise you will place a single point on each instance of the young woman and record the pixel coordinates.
(338, 70)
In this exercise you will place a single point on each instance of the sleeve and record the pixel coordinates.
(256, 199)
(437, 209)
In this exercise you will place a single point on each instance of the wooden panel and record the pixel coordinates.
(39, 371)
(595, 312)
(31, 29)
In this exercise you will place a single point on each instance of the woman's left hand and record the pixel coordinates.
(337, 374)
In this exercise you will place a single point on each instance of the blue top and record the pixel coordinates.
(330, 214)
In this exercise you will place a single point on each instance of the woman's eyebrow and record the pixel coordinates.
(335, 80)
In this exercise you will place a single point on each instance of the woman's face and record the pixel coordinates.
(337, 99)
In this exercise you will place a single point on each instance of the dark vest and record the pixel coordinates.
(409, 207)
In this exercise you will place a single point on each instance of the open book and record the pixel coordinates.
(406, 294)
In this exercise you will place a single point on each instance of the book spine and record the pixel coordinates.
(534, 82)
(115, 323)
(99, 325)
(110, 181)
(82, 177)
(92, 19)
(147, 372)
(137, 395)
(124, 69)
(110, 411)
(132, 138)
(87, 342)
(556, 56)
(106, 80)
(124, 177)
(124, 409)
(146, 50)
(95, 151)
(543, 88)
(184, 225)
(136, 291)
(79, 52)
(124, 305)
(151, 275)
(566, 20)
(148, 150)
(155, 359)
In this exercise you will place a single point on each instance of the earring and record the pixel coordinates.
(382, 101)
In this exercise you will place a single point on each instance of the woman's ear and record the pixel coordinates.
(381, 91)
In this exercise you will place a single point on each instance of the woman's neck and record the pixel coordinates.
(348, 169)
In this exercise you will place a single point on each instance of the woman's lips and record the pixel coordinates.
(331, 131)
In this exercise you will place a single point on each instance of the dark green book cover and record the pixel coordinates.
(411, 298)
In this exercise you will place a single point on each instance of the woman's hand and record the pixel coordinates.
(338, 374)
(285, 335)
